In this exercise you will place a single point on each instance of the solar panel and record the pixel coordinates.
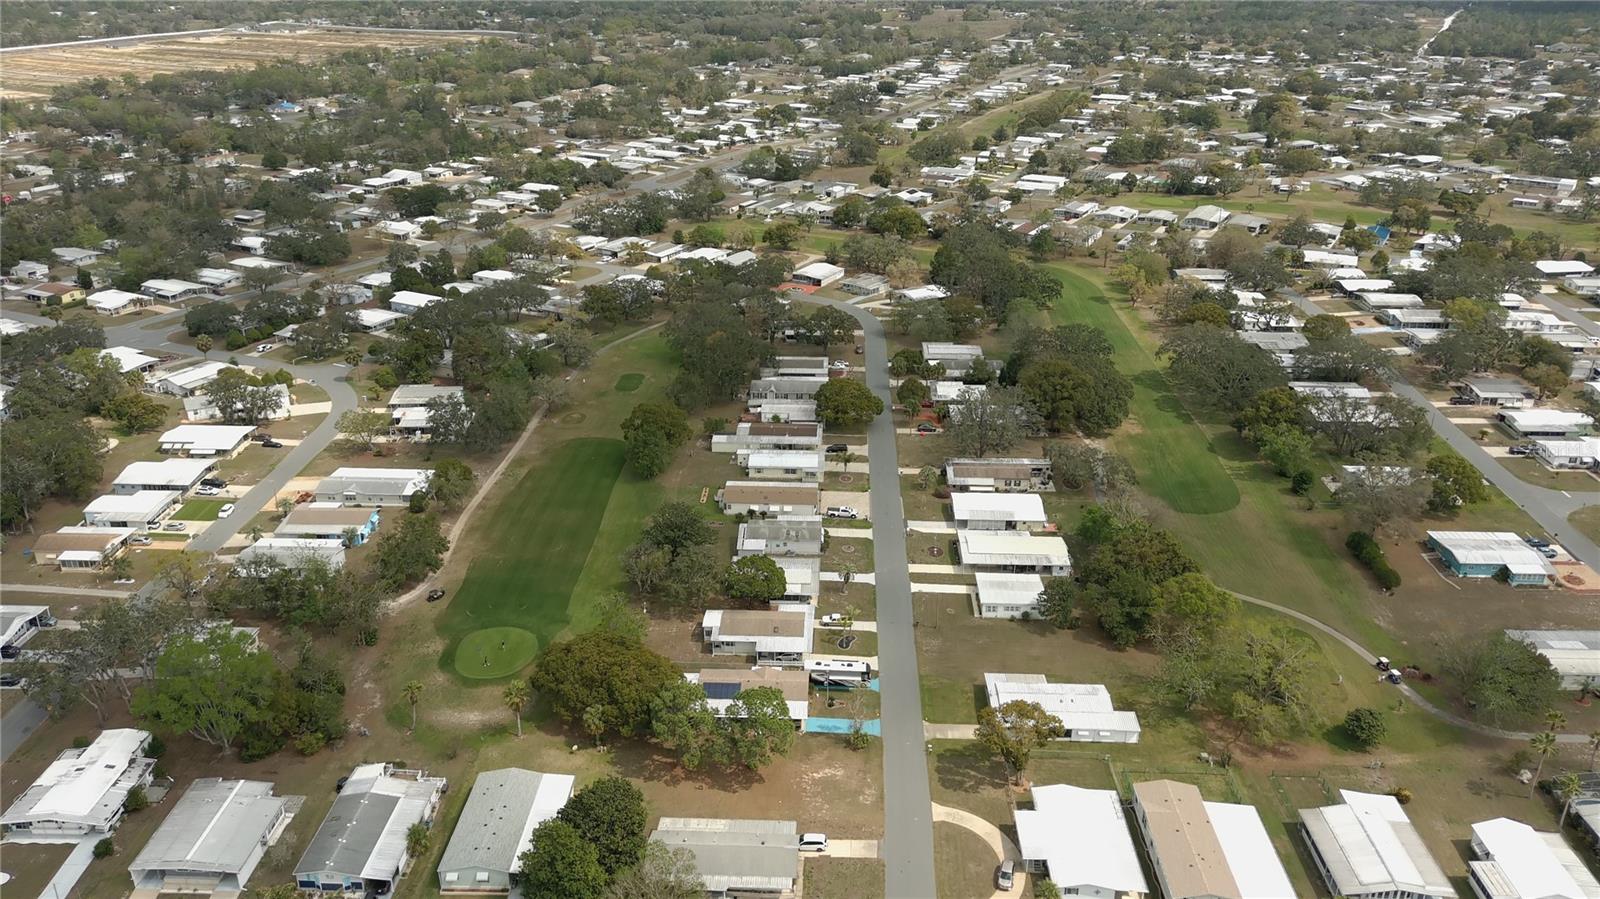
(721, 690)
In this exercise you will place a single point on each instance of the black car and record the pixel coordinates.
(10, 680)
(339, 785)
(838, 448)
(213, 482)
(10, 652)
(435, 595)
(269, 443)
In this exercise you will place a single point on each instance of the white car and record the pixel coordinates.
(813, 842)
(207, 491)
(842, 512)
(839, 365)
(266, 347)
(833, 620)
(225, 511)
(175, 526)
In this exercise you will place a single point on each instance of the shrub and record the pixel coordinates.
(1301, 482)
(310, 743)
(1365, 726)
(385, 378)
(419, 502)
(1401, 795)
(235, 340)
(155, 748)
(105, 848)
(81, 742)
(1369, 553)
(941, 493)
(137, 800)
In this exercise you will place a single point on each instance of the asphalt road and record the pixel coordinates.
(907, 804)
(1549, 508)
(22, 717)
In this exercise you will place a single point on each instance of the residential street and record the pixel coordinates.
(907, 803)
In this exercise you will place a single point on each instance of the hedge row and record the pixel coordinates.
(1369, 553)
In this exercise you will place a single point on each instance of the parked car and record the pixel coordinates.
(213, 482)
(838, 448)
(435, 595)
(266, 347)
(225, 511)
(175, 526)
(10, 680)
(269, 443)
(1548, 552)
(207, 491)
(1521, 449)
(10, 652)
(338, 785)
(1536, 542)
(140, 540)
(842, 512)
(832, 620)
(860, 349)
(813, 842)
(1005, 877)
(1462, 401)
(839, 365)
(926, 428)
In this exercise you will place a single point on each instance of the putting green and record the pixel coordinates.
(495, 652)
(629, 382)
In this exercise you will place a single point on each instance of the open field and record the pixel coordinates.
(959, 857)
(35, 73)
(843, 878)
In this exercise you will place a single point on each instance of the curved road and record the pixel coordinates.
(1370, 658)
(907, 801)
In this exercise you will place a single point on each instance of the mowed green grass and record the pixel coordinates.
(629, 382)
(1174, 458)
(200, 510)
(542, 537)
(495, 652)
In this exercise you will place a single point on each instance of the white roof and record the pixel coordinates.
(195, 375)
(1082, 837)
(412, 298)
(1008, 589)
(127, 358)
(373, 319)
(1563, 267)
(1491, 548)
(170, 285)
(1011, 548)
(819, 270)
(1026, 507)
(1529, 418)
(1529, 863)
(182, 473)
(143, 505)
(1571, 653)
(1079, 706)
(205, 439)
(1252, 860)
(112, 298)
(1370, 846)
(80, 786)
(804, 460)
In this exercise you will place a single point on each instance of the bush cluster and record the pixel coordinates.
(1369, 553)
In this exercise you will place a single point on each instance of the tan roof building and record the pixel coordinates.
(770, 497)
(723, 684)
(1207, 850)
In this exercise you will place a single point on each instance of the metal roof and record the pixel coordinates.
(364, 834)
(1189, 857)
(737, 854)
(216, 827)
(1026, 507)
(1011, 548)
(1528, 863)
(85, 786)
(498, 821)
(1369, 846)
(1082, 837)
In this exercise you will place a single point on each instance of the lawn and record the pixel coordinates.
(200, 510)
(865, 643)
(1175, 460)
(494, 652)
(1587, 521)
(1532, 471)
(963, 863)
(839, 550)
(629, 382)
(542, 534)
(30, 867)
(843, 878)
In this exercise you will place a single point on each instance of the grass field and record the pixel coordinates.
(1587, 521)
(629, 382)
(495, 652)
(843, 878)
(544, 530)
(1175, 459)
(200, 510)
(959, 857)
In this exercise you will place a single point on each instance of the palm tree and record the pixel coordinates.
(1594, 747)
(594, 721)
(1543, 745)
(515, 697)
(1554, 721)
(203, 343)
(412, 691)
(1567, 788)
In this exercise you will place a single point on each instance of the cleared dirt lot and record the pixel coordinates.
(35, 73)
